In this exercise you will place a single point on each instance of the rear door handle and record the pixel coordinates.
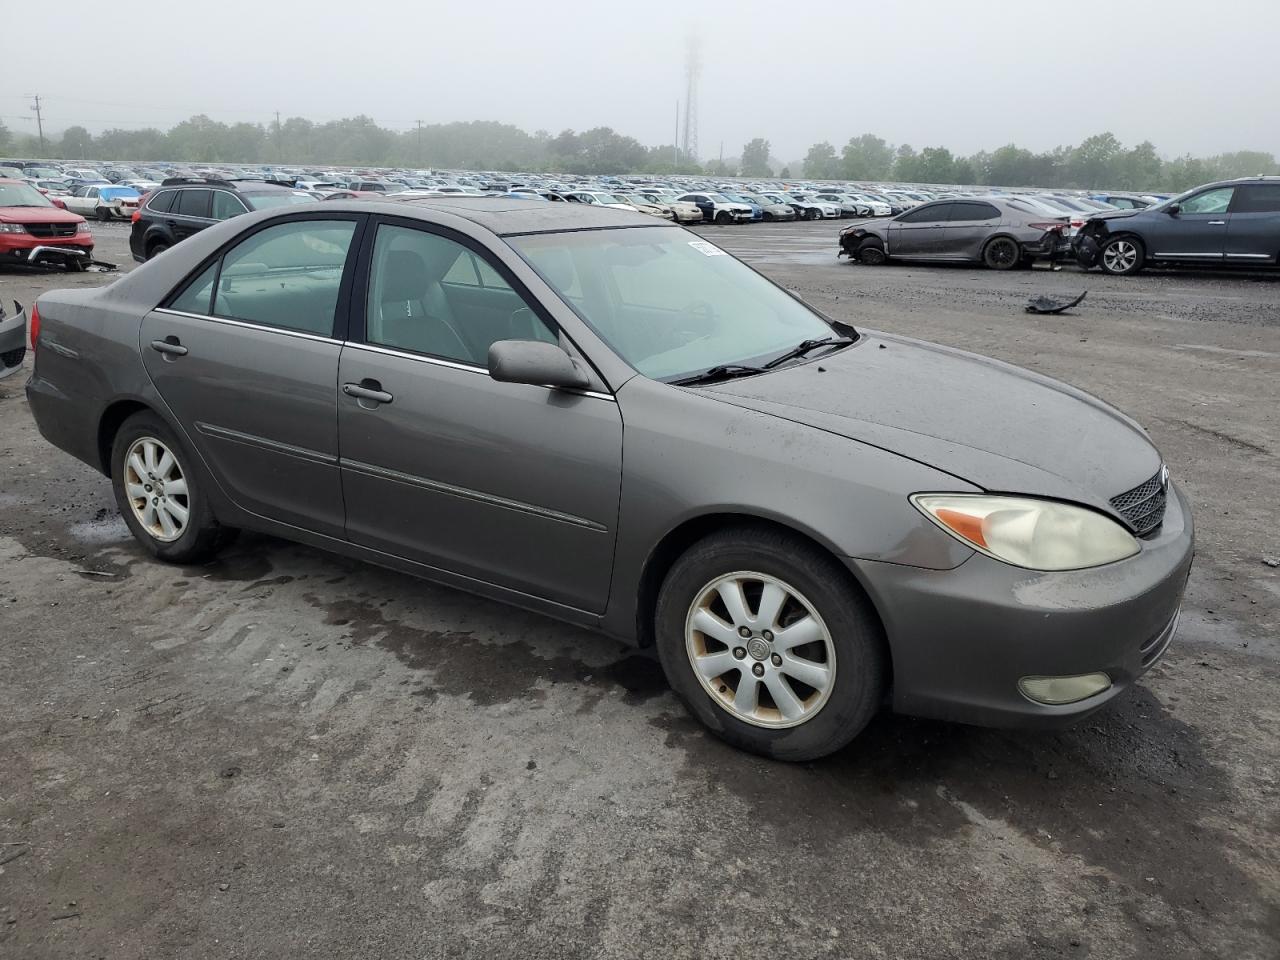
(169, 346)
(370, 390)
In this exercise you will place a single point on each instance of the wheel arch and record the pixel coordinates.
(113, 417)
(690, 531)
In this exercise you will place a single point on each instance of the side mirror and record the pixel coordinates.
(1173, 209)
(61, 205)
(537, 363)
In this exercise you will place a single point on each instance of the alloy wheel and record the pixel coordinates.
(157, 489)
(760, 650)
(1120, 256)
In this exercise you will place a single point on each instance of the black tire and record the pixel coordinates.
(856, 634)
(724, 218)
(871, 252)
(202, 535)
(156, 248)
(813, 213)
(1002, 253)
(1122, 256)
(105, 214)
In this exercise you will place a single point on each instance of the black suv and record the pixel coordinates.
(1234, 222)
(186, 205)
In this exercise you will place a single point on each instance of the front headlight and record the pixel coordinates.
(1036, 534)
(82, 226)
(12, 228)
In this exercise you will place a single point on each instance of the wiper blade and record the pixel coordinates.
(723, 371)
(804, 346)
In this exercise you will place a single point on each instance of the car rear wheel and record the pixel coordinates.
(871, 252)
(1002, 253)
(1122, 256)
(158, 494)
(156, 249)
(769, 645)
(104, 214)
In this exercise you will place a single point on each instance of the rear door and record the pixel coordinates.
(1197, 232)
(245, 355)
(505, 483)
(918, 232)
(1253, 235)
(189, 213)
(965, 233)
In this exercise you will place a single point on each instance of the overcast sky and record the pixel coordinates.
(1190, 76)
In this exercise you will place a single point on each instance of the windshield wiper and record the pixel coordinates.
(804, 346)
(723, 371)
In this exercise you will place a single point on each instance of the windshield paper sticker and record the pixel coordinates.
(707, 249)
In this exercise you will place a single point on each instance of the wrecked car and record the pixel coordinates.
(36, 231)
(1229, 223)
(106, 202)
(13, 339)
(1002, 232)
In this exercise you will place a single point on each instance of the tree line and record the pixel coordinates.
(1100, 161)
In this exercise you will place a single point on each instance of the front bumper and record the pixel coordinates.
(961, 639)
(13, 342)
(25, 248)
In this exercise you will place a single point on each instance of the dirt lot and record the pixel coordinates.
(286, 754)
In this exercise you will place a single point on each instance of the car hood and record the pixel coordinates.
(989, 423)
(38, 215)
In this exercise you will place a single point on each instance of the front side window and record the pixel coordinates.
(429, 294)
(669, 304)
(1211, 201)
(286, 276)
(226, 205)
(930, 213)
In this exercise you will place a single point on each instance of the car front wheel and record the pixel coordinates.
(1122, 256)
(770, 645)
(159, 496)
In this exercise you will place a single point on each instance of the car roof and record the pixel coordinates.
(508, 216)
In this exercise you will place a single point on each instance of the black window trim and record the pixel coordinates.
(359, 294)
(341, 312)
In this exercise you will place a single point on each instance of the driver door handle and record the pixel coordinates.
(1217, 223)
(370, 390)
(170, 346)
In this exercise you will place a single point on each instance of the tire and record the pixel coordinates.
(1122, 256)
(105, 214)
(845, 657)
(1002, 253)
(813, 213)
(157, 248)
(141, 442)
(871, 252)
(724, 218)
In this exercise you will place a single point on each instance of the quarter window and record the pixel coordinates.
(198, 297)
(286, 276)
(431, 295)
(1211, 201)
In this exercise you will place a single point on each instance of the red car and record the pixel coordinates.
(33, 230)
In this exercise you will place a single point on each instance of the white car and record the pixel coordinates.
(815, 209)
(717, 208)
(105, 201)
(600, 198)
(878, 207)
(683, 211)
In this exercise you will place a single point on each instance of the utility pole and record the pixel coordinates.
(419, 123)
(39, 123)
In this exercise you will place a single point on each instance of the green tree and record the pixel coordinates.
(755, 159)
(77, 144)
(936, 165)
(785, 173)
(820, 162)
(906, 163)
(1094, 162)
(963, 172)
(4, 137)
(866, 157)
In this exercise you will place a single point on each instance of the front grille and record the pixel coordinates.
(51, 229)
(1143, 506)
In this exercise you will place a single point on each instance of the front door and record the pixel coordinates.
(918, 232)
(505, 483)
(966, 231)
(1197, 232)
(246, 358)
(1253, 235)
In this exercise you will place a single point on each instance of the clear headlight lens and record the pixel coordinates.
(12, 228)
(1036, 534)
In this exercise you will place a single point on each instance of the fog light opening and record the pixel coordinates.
(1056, 691)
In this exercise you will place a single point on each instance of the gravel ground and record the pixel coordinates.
(288, 754)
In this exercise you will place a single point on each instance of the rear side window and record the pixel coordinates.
(192, 203)
(969, 210)
(198, 297)
(162, 201)
(1257, 198)
(286, 276)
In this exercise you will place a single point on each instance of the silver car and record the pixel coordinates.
(1002, 232)
(605, 418)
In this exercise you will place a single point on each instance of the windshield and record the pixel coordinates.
(21, 195)
(668, 303)
(265, 201)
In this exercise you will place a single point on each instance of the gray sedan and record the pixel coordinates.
(1002, 232)
(604, 418)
